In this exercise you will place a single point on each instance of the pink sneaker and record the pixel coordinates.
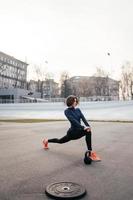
(45, 144)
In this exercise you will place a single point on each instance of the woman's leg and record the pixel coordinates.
(60, 141)
(77, 134)
(88, 140)
(74, 135)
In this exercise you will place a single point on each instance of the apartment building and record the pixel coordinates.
(13, 77)
(13, 72)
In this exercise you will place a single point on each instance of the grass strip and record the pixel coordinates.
(29, 120)
(54, 120)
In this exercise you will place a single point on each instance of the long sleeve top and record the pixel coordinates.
(74, 115)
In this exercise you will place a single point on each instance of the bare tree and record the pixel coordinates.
(16, 82)
(40, 75)
(84, 87)
(50, 83)
(102, 82)
(65, 86)
(100, 72)
(126, 82)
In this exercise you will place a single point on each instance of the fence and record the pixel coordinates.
(38, 100)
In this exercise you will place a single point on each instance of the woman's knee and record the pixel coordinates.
(88, 132)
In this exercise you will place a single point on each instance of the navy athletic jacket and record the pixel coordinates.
(74, 115)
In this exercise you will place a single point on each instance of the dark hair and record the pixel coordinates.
(70, 100)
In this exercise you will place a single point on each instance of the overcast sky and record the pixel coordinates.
(72, 35)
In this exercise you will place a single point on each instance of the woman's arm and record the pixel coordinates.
(84, 119)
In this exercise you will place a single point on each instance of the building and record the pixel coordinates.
(13, 72)
(48, 88)
(13, 79)
(94, 88)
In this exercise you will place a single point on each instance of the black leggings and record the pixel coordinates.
(74, 135)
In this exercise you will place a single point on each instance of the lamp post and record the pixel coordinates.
(109, 58)
(108, 88)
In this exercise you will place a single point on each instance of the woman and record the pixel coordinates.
(76, 131)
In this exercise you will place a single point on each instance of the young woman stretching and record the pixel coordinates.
(76, 131)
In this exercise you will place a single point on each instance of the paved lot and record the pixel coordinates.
(26, 169)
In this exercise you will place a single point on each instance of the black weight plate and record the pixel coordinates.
(65, 190)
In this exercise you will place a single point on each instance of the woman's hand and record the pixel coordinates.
(87, 128)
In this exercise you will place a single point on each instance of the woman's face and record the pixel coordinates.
(75, 103)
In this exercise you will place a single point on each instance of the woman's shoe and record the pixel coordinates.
(45, 144)
(95, 157)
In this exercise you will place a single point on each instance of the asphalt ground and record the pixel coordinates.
(26, 168)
